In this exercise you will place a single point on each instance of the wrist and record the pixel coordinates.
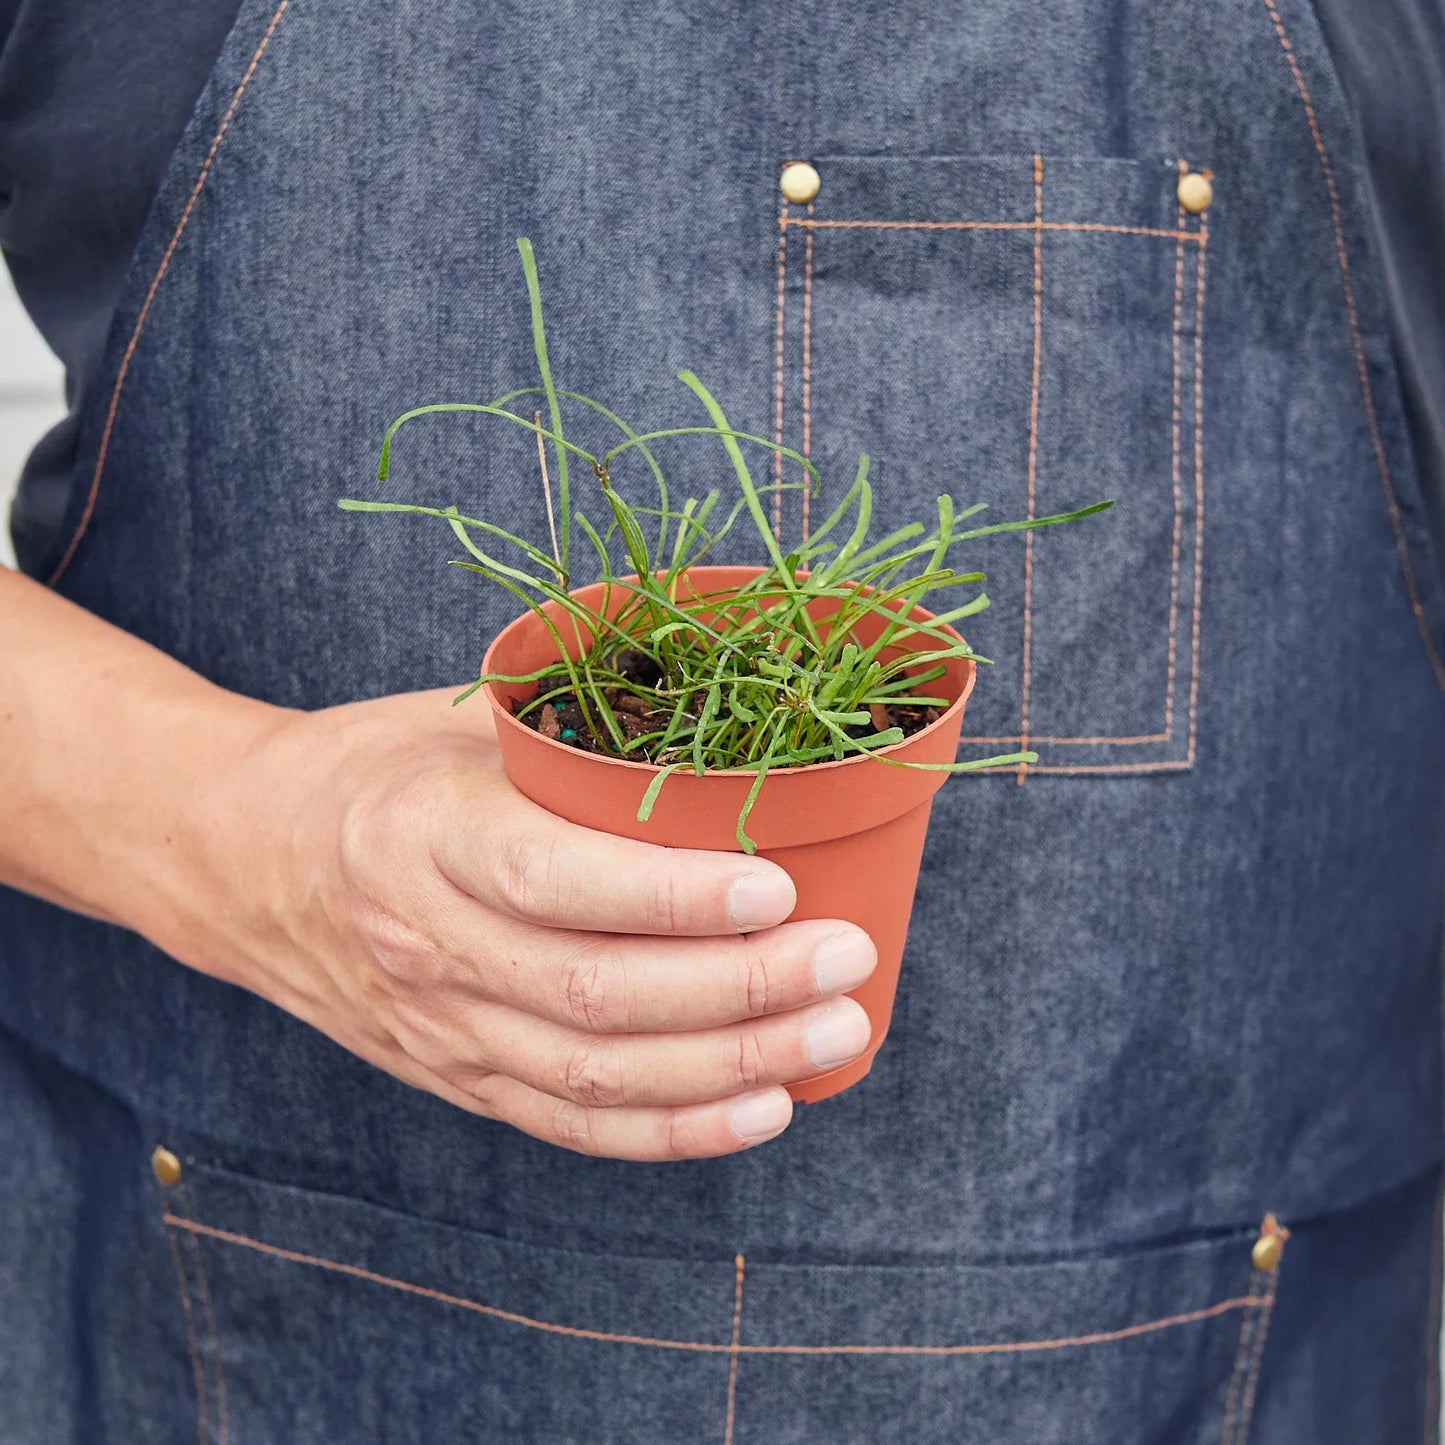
(178, 879)
(109, 750)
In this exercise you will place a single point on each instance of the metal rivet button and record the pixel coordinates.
(1195, 192)
(166, 1167)
(1269, 1246)
(800, 182)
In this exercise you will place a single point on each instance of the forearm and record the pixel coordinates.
(104, 744)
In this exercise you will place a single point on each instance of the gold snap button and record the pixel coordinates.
(1269, 1247)
(165, 1166)
(800, 182)
(1195, 192)
(1266, 1253)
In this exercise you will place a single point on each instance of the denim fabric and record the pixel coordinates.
(1186, 973)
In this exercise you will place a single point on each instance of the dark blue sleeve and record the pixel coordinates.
(1390, 55)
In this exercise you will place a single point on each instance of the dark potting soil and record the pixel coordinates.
(563, 719)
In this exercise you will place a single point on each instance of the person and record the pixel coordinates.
(350, 1096)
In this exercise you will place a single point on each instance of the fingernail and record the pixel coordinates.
(843, 960)
(759, 900)
(837, 1034)
(760, 1116)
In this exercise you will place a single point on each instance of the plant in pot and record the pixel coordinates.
(805, 708)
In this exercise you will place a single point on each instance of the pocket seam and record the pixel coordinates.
(223, 1425)
(732, 1347)
(1038, 346)
(183, 1287)
(1244, 1378)
(740, 1265)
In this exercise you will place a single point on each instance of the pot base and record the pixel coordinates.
(824, 1086)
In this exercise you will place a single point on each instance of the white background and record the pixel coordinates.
(30, 396)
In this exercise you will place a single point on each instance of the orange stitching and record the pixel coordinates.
(1239, 1405)
(222, 1411)
(1198, 487)
(1013, 1347)
(202, 1422)
(740, 1264)
(1248, 1325)
(150, 296)
(1174, 469)
(807, 366)
(987, 226)
(778, 376)
(1402, 546)
(1033, 455)
(1251, 1385)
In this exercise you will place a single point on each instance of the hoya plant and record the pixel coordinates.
(771, 674)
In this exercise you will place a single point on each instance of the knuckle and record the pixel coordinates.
(413, 1018)
(404, 951)
(412, 805)
(481, 1085)
(592, 1074)
(679, 1137)
(749, 1063)
(757, 984)
(572, 1127)
(430, 1039)
(668, 909)
(527, 873)
(388, 822)
(467, 1076)
(587, 989)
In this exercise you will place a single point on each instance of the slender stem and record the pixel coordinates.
(547, 493)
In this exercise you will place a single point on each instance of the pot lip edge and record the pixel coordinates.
(801, 769)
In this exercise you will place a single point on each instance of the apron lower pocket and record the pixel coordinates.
(327, 1319)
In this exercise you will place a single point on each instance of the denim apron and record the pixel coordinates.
(1181, 975)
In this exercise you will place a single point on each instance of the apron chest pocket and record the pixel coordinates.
(1024, 331)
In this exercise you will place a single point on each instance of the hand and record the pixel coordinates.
(371, 869)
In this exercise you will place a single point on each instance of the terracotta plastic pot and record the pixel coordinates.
(850, 834)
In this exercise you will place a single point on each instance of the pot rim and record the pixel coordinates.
(500, 711)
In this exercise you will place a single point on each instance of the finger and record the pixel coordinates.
(689, 1131)
(603, 983)
(611, 1071)
(538, 868)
